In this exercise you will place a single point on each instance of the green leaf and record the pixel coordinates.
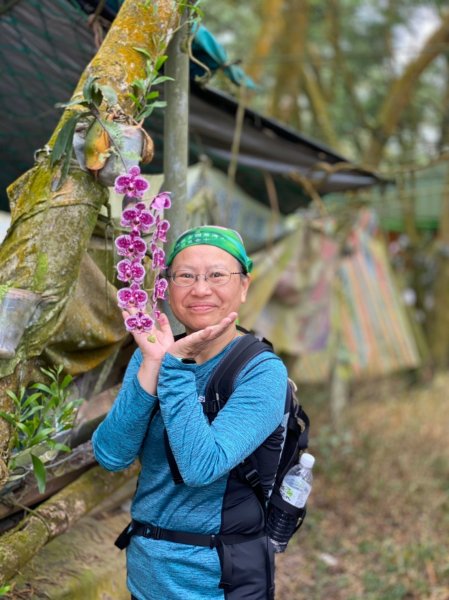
(161, 79)
(61, 447)
(43, 388)
(109, 94)
(66, 381)
(97, 96)
(25, 429)
(11, 419)
(151, 95)
(42, 435)
(160, 61)
(49, 373)
(134, 98)
(88, 87)
(65, 139)
(144, 52)
(16, 399)
(139, 84)
(76, 101)
(33, 410)
(32, 399)
(145, 113)
(39, 473)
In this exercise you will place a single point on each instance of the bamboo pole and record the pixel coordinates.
(176, 137)
(176, 128)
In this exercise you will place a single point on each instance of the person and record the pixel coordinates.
(162, 392)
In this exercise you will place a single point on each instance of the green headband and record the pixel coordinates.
(221, 237)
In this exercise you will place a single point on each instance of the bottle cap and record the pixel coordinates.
(307, 460)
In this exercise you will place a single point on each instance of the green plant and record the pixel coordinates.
(5, 589)
(88, 105)
(38, 417)
(144, 99)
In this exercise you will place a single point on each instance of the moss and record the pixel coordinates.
(3, 290)
(41, 272)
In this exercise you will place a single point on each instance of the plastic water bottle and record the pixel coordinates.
(295, 489)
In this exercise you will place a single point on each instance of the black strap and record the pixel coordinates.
(222, 382)
(219, 389)
(219, 541)
(176, 475)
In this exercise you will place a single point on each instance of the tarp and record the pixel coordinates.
(371, 329)
(298, 315)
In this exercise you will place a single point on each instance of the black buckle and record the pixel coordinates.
(213, 541)
(152, 531)
(253, 478)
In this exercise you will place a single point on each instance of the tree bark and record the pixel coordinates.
(51, 227)
(56, 516)
(271, 22)
(319, 107)
(291, 48)
(439, 318)
(401, 91)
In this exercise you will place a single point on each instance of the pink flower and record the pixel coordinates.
(131, 246)
(141, 323)
(161, 201)
(137, 218)
(160, 287)
(158, 259)
(132, 297)
(162, 226)
(130, 270)
(131, 184)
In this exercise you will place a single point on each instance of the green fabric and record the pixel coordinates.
(221, 237)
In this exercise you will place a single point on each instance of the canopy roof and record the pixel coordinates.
(45, 46)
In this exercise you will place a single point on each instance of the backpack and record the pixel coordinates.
(296, 426)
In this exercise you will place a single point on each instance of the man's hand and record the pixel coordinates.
(154, 344)
(192, 345)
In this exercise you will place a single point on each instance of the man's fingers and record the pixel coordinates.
(164, 323)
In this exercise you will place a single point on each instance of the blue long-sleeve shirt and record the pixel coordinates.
(205, 454)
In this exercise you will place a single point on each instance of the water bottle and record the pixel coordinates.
(295, 489)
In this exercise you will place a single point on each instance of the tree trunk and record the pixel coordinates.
(55, 516)
(439, 319)
(271, 13)
(291, 49)
(401, 91)
(320, 109)
(51, 228)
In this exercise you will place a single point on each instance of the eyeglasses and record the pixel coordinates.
(213, 278)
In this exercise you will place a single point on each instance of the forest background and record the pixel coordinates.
(371, 80)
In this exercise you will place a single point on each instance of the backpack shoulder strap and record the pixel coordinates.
(221, 385)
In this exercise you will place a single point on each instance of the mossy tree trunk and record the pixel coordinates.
(56, 516)
(51, 227)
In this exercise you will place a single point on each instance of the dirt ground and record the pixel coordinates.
(378, 519)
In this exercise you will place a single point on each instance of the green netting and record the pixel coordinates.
(420, 190)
